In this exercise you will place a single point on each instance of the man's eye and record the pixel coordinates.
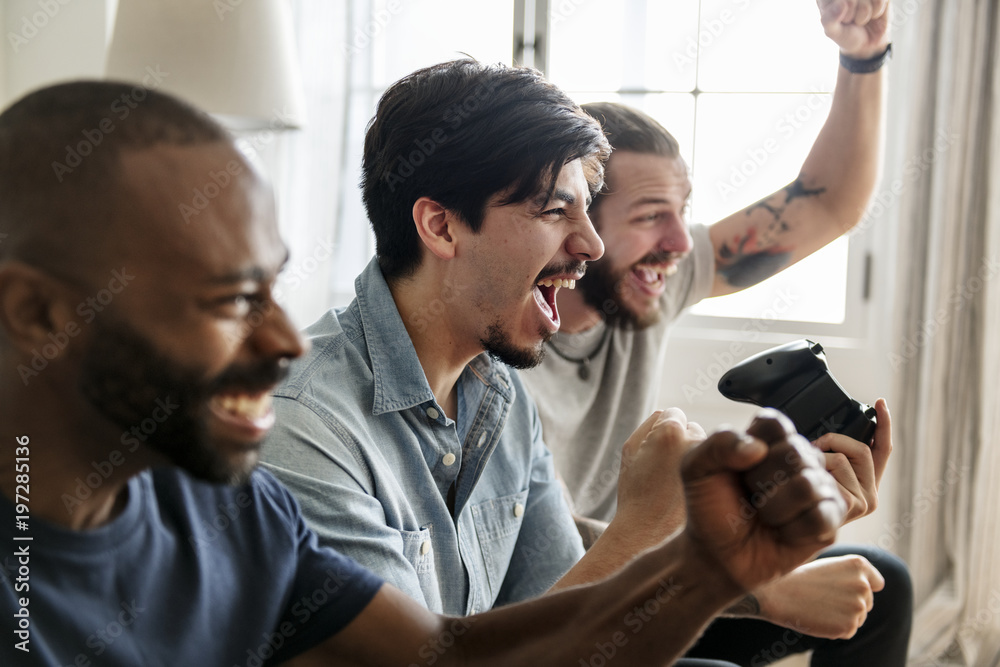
(554, 212)
(235, 305)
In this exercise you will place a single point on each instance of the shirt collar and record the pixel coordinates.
(399, 379)
(400, 382)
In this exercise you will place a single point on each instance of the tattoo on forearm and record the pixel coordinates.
(748, 606)
(752, 258)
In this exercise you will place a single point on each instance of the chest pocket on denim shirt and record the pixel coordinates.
(498, 523)
(418, 550)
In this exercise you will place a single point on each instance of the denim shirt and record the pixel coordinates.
(372, 459)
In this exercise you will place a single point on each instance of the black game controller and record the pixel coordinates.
(796, 380)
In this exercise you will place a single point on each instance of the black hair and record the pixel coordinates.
(461, 133)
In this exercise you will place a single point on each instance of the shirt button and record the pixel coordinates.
(425, 548)
(448, 459)
(432, 413)
(518, 510)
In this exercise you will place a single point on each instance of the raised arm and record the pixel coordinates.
(651, 611)
(837, 178)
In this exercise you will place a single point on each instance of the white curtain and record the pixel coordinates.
(316, 170)
(946, 171)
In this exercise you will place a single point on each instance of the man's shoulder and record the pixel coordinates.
(337, 355)
(261, 493)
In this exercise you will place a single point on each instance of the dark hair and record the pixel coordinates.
(460, 133)
(60, 170)
(632, 130)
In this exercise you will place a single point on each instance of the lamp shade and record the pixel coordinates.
(233, 58)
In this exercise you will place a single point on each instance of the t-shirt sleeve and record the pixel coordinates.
(694, 278)
(328, 590)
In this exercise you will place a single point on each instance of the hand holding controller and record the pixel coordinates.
(795, 379)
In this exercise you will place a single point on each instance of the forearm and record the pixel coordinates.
(616, 547)
(844, 160)
(649, 613)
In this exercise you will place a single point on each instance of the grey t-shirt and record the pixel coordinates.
(586, 422)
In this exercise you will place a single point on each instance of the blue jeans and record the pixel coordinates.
(881, 642)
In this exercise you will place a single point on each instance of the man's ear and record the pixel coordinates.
(34, 307)
(436, 226)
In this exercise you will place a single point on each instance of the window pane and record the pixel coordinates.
(741, 159)
(614, 45)
(748, 146)
(587, 45)
(671, 38)
(424, 32)
(764, 46)
(675, 111)
(814, 290)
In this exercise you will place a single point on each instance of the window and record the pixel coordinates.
(745, 87)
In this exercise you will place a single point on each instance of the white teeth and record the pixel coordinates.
(558, 282)
(647, 275)
(246, 406)
(650, 273)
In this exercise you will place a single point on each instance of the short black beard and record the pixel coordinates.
(125, 378)
(600, 288)
(497, 345)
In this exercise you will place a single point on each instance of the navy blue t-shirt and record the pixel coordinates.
(188, 574)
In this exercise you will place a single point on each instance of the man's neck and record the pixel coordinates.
(442, 347)
(73, 478)
(575, 314)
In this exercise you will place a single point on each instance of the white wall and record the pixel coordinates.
(46, 41)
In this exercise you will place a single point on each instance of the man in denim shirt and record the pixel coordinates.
(410, 449)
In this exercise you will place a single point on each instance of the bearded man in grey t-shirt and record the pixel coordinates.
(598, 380)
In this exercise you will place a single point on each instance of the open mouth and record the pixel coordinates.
(545, 296)
(651, 278)
(248, 414)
